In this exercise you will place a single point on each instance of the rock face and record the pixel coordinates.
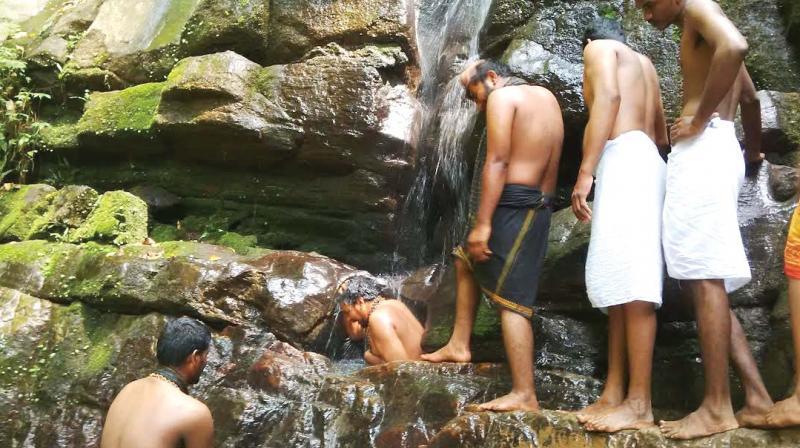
(349, 147)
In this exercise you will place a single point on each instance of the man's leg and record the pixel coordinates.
(457, 348)
(614, 389)
(787, 412)
(757, 400)
(518, 340)
(714, 329)
(636, 411)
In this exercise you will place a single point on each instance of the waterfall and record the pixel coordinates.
(434, 216)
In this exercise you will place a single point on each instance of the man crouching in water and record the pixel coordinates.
(156, 411)
(506, 246)
(391, 331)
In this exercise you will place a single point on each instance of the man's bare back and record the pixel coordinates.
(154, 413)
(536, 134)
(390, 322)
(640, 105)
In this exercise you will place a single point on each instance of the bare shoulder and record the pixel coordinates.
(600, 48)
(699, 10)
(195, 412)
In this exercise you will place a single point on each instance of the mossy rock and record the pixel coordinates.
(132, 110)
(21, 210)
(242, 244)
(119, 218)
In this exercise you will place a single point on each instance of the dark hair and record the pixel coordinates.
(363, 286)
(604, 28)
(179, 338)
(483, 67)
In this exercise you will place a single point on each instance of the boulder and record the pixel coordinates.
(289, 292)
(297, 26)
(780, 122)
(222, 107)
(118, 218)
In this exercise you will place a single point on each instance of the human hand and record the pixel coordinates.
(478, 243)
(683, 128)
(752, 162)
(580, 192)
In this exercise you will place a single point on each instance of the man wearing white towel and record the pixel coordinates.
(624, 267)
(702, 243)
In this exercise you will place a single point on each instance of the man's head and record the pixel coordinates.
(354, 296)
(480, 78)
(603, 28)
(661, 13)
(183, 346)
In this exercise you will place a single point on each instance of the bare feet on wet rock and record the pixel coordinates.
(448, 353)
(631, 414)
(596, 409)
(785, 413)
(753, 416)
(699, 423)
(511, 402)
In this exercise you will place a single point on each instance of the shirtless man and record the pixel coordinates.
(391, 330)
(624, 267)
(505, 248)
(701, 239)
(156, 411)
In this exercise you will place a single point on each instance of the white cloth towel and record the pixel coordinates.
(625, 262)
(701, 227)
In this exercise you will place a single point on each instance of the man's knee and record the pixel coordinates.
(705, 288)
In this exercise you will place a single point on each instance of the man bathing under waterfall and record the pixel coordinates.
(156, 411)
(390, 330)
(505, 248)
(701, 239)
(624, 266)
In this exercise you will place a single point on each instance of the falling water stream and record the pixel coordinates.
(434, 216)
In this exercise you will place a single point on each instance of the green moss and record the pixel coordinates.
(60, 136)
(790, 117)
(32, 251)
(133, 109)
(119, 218)
(266, 80)
(20, 208)
(241, 244)
(174, 22)
(163, 232)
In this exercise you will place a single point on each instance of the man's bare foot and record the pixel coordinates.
(631, 414)
(785, 413)
(511, 402)
(753, 416)
(596, 409)
(699, 423)
(448, 353)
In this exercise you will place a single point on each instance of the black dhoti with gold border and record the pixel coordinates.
(520, 226)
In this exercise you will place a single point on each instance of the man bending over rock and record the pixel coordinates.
(505, 248)
(156, 411)
(391, 330)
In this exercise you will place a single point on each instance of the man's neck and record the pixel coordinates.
(681, 17)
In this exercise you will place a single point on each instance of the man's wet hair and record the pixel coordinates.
(604, 28)
(363, 286)
(483, 68)
(179, 338)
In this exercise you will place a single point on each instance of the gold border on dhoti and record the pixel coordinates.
(513, 306)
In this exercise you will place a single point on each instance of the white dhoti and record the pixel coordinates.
(625, 261)
(701, 228)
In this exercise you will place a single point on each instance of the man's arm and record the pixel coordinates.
(384, 337)
(200, 430)
(600, 65)
(660, 124)
(730, 48)
(372, 359)
(500, 111)
(751, 117)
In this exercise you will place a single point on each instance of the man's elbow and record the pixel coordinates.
(738, 48)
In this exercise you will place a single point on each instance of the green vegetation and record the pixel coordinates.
(20, 128)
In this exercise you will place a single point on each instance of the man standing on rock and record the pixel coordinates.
(156, 411)
(506, 247)
(391, 330)
(701, 239)
(624, 267)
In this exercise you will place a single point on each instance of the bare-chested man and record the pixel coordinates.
(505, 248)
(624, 267)
(156, 411)
(391, 330)
(701, 239)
